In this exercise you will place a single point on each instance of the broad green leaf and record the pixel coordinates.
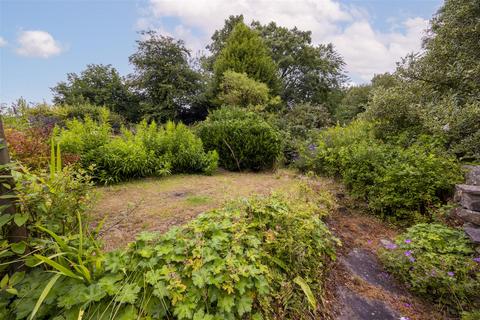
(62, 269)
(307, 291)
(44, 294)
(20, 219)
(18, 247)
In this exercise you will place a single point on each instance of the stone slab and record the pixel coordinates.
(364, 264)
(473, 232)
(472, 176)
(356, 307)
(468, 215)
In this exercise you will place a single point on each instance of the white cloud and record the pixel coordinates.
(366, 51)
(37, 43)
(3, 42)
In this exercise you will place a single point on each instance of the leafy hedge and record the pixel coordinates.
(150, 151)
(231, 263)
(397, 181)
(438, 263)
(242, 139)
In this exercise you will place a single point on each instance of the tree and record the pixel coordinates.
(354, 102)
(308, 73)
(163, 77)
(451, 59)
(100, 85)
(245, 52)
(237, 89)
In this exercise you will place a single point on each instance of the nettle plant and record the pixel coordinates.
(230, 263)
(438, 263)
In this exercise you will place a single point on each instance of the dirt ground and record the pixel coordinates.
(158, 204)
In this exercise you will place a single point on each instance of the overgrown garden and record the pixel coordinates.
(265, 97)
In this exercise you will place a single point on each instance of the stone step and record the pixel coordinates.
(356, 307)
(364, 264)
(468, 196)
(468, 215)
(473, 232)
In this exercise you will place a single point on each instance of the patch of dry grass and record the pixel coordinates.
(158, 204)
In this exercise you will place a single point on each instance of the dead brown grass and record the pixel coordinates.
(158, 204)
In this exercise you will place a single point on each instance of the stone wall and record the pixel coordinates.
(468, 196)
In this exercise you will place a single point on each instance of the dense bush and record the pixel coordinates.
(150, 151)
(29, 146)
(242, 139)
(230, 263)
(397, 181)
(438, 263)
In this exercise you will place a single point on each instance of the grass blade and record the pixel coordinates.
(44, 294)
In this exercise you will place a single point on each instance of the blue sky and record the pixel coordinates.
(41, 41)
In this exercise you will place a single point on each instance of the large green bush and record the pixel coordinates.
(397, 181)
(150, 151)
(438, 263)
(230, 263)
(242, 139)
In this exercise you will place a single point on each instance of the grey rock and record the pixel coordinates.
(473, 175)
(364, 264)
(473, 232)
(469, 196)
(356, 307)
(468, 215)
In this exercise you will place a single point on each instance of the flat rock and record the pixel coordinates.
(473, 232)
(364, 264)
(356, 307)
(468, 215)
(469, 196)
(472, 176)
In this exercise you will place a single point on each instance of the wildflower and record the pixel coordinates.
(408, 253)
(412, 259)
(408, 240)
(369, 241)
(477, 259)
(312, 147)
(391, 246)
(404, 318)
(450, 273)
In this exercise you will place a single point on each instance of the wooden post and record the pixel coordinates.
(16, 233)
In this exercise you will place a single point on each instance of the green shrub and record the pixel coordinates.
(242, 139)
(80, 137)
(231, 263)
(438, 263)
(179, 145)
(397, 181)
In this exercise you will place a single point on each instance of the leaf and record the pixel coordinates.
(226, 302)
(12, 291)
(20, 219)
(44, 294)
(18, 247)
(4, 219)
(244, 305)
(4, 281)
(306, 289)
(16, 278)
(65, 271)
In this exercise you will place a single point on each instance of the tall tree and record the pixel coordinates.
(245, 52)
(309, 73)
(99, 85)
(163, 77)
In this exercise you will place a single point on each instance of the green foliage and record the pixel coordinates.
(230, 263)
(437, 262)
(397, 181)
(354, 102)
(237, 89)
(163, 78)
(151, 151)
(98, 85)
(245, 52)
(242, 139)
